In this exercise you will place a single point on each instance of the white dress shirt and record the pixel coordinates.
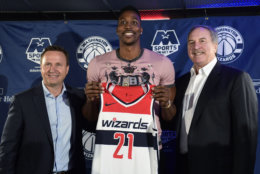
(192, 94)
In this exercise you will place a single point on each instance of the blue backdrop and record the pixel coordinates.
(21, 44)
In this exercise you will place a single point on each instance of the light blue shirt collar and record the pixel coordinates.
(47, 93)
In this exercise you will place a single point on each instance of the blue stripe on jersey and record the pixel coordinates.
(140, 139)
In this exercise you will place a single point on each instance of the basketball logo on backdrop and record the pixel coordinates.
(36, 47)
(256, 83)
(165, 42)
(90, 48)
(88, 140)
(230, 44)
(1, 54)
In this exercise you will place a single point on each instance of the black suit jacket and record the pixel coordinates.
(223, 133)
(26, 146)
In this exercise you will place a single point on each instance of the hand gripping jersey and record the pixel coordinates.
(126, 132)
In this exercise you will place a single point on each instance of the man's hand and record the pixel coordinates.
(93, 90)
(90, 108)
(163, 95)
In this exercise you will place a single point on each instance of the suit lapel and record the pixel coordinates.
(40, 104)
(73, 114)
(206, 93)
(181, 86)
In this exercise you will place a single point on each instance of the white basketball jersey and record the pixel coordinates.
(126, 133)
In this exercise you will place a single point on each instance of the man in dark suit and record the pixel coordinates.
(216, 113)
(42, 133)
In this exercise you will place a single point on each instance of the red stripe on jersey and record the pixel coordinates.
(121, 99)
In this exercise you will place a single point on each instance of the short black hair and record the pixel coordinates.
(129, 8)
(56, 48)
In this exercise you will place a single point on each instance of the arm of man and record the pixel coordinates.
(165, 95)
(244, 124)
(165, 92)
(93, 89)
(11, 138)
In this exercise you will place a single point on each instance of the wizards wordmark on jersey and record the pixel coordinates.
(115, 123)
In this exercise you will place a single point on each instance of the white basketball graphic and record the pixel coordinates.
(88, 140)
(93, 50)
(90, 48)
(226, 44)
(230, 44)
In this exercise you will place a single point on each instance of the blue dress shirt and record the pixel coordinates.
(59, 114)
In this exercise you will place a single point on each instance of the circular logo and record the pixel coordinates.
(90, 48)
(1, 54)
(88, 140)
(230, 44)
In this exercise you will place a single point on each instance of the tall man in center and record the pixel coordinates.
(137, 68)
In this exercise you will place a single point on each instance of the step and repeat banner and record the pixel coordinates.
(22, 42)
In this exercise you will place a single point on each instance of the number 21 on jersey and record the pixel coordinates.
(121, 137)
